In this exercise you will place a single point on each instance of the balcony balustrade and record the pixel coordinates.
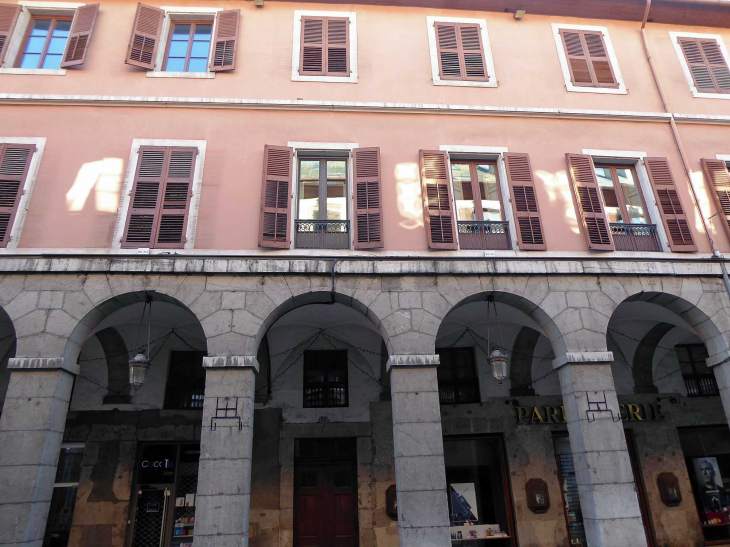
(484, 235)
(322, 234)
(636, 237)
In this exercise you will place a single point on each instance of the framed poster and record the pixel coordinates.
(713, 496)
(463, 502)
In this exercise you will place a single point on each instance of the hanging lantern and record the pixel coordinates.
(498, 362)
(138, 370)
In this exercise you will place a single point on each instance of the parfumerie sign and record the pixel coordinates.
(556, 414)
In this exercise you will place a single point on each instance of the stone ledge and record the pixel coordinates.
(231, 361)
(415, 361)
(42, 363)
(583, 358)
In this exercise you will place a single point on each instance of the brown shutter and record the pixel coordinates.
(588, 59)
(460, 51)
(368, 202)
(530, 236)
(80, 35)
(276, 198)
(472, 52)
(706, 64)
(8, 17)
(224, 43)
(718, 181)
(176, 194)
(14, 166)
(145, 36)
(338, 43)
(586, 194)
(438, 214)
(670, 206)
(447, 45)
(311, 61)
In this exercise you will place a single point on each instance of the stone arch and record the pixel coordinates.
(521, 365)
(117, 357)
(643, 361)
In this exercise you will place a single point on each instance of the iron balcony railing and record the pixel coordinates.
(635, 237)
(322, 234)
(484, 235)
(701, 385)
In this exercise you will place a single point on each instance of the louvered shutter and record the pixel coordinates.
(588, 59)
(438, 213)
(706, 64)
(224, 43)
(145, 38)
(472, 53)
(670, 206)
(368, 202)
(530, 235)
(176, 195)
(80, 36)
(588, 200)
(311, 61)
(460, 52)
(447, 45)
(8, 17)
(14, 166)
(276, 198)
(718, 180)
(338, 43)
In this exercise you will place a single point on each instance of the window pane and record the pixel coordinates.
(463, 192)
(57, 45)
(35, 44)
(52, 61)
(30, 60)
(178, 48)
(198, 65)
(200, 49)
(630, 188)
(605, 183)
(309, 189)
(336, 200)
(69, 464)
(309, 170)
(60, 516)
(491, 206)
(336, 169)
(62, 28)
(41, 27)
(180, 31)
(202, 32)
(175, 65)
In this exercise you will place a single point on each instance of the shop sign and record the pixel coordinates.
(646, 412)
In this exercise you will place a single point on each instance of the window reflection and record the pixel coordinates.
(621, 194)
(322, 189)
(476, 182)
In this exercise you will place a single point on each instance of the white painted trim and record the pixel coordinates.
(621, 90)
(189, 75)
(34, 71)
(175, 13)
(644, 184)
(52, 5)
(297, 47)
(433, 52)
(685, 67)
(723, 157)
(27, 192)
(126, 193)
(350, 146)
(503, 184)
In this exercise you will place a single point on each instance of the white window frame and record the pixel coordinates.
(675, 36)
(647, 191)
(433, 51)
(297, 47)
(174, 14)
(27, 190)
(620, 90)
(313, 147)
(34, 8)
(126, 195)
(498, 151)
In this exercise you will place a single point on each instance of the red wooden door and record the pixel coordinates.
(325, 501)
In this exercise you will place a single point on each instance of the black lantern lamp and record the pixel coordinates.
(497, 359)
(141, 362)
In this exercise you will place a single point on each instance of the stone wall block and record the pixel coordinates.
(77, 304)
(233, 300)
(417, 439)
(423, 509)
(398, 322)
(449, 288)
(206, 304)
(24, 447)
(416, 473)
(31, 323)
(217, 516)
(606, 467)
(408, 283)
(246, 323)
(259, 304)
(50, 299)
(424, 322)
(60, 323)
(222, 477)
(231, 342)
(416, 407)
(191, 288)
(22, 485)
(217, 283)
(218, 323)
(14, 522)
(10, 287)
(410, 299)
(403, 380)
(435, 304)
(425, 537)
(609, 501)
(54, 282)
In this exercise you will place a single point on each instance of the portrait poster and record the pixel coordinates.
(712, 494)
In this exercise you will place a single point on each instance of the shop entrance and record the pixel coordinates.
(163, 501)
(325, 493)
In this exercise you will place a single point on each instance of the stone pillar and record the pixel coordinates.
(420, 475)
(224, 477)
(603, 471)
(31, 431)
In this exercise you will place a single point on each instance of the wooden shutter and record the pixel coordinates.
(160, 201)
(8, 17)
(145, 38)
(224, 42)
(325, 46)
(438, 213)
(718, 180)
(670, 206)
(276, 198)
(706, 64)
(460, 52)
(368, 199)
(311, 60)
(587, 58)
(14, 166)
(586, 194)
(530, 235)
(338, 44)
(80, 35)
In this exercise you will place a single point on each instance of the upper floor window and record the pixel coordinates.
(45, 43)
(704, 61)
(325, 379)
(325, 47)
(460, 52)
(457, 376)
(587, 59)
(621, 194)
(189, 47)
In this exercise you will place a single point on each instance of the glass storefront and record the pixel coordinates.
(480, 506)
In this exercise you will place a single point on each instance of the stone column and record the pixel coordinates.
(420, 475)
(224, 478)
(603, 471)
(31, 431)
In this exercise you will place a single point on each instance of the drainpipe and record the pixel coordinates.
(677, 138)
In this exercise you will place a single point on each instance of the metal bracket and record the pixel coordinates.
(598, 405)
(226, 412)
